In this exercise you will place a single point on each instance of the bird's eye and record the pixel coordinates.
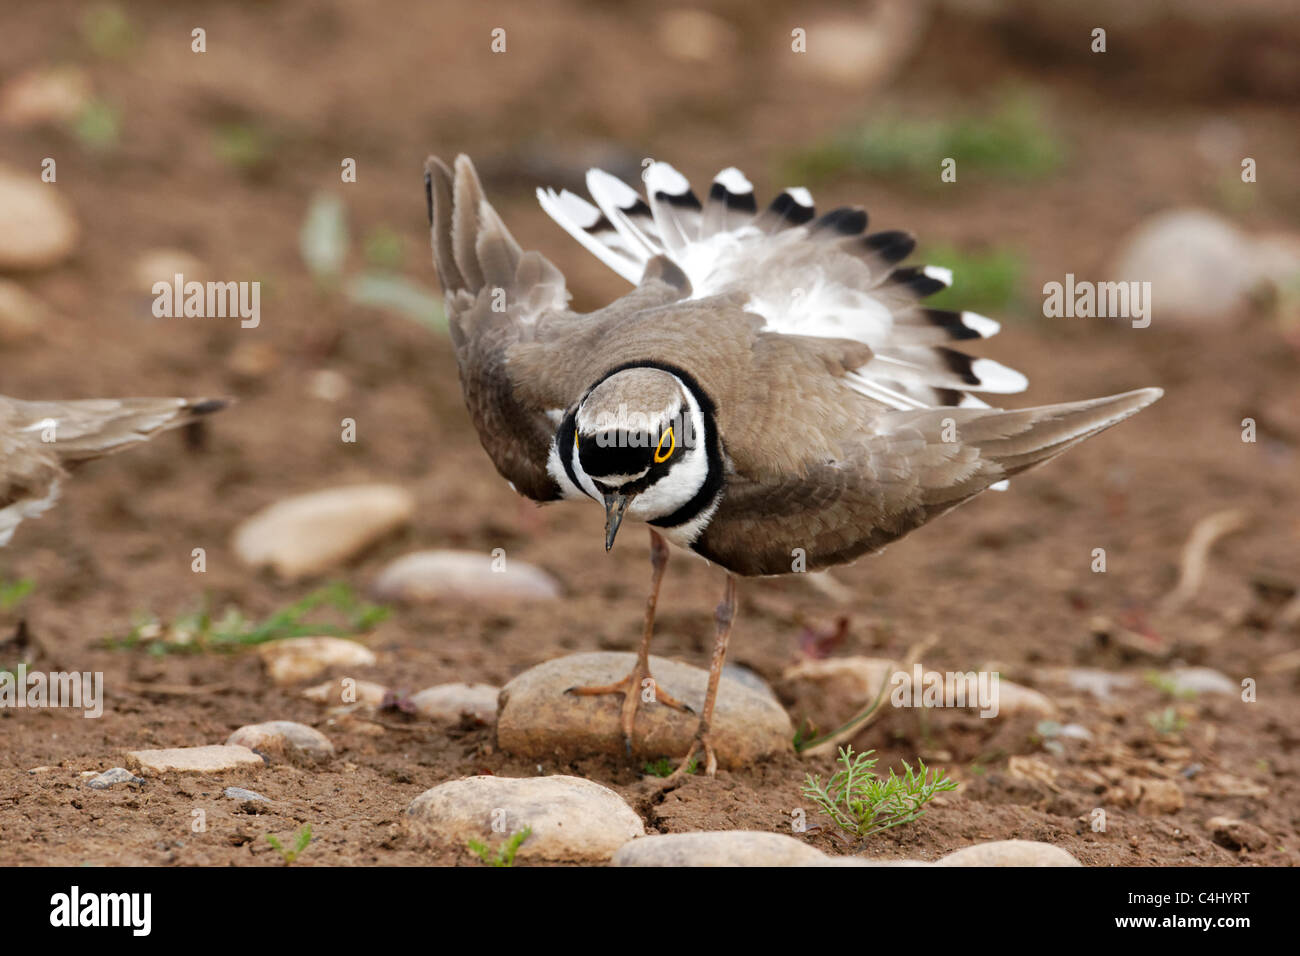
(668, 436)
(575, 438)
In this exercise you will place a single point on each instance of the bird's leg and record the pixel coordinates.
(631, 686)
(723, 617)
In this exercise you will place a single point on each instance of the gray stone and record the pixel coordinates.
(295, 659)
(719, 848)
(308, 534)
(572, 819)
(449, 701)
(110, 778)
(1009, 853)
(429, 576)
(214, 758)
(284, 739)
(239, 793)
(538, 719)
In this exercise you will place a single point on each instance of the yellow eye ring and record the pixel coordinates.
(671, 448)
(575, 438)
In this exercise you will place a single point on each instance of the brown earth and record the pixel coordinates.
(1003, 582)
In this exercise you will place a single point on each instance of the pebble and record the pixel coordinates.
(424, 577)
(1153, 797)
(450, 701)
(109, 778)
(308, 534)
(1203, 270)
(861, 52)
(295, 659)
(1202, 680)
(162, 265)
(1236, 834)
(830, 691)
(572, 819)
(284, 739)
(21, 313)
(37, 226)
(1091, 680)
(1009, 853)
(213, 758)
(538, 719)
(344, 691)
(45, 96)
(239, 793)
(719, 848)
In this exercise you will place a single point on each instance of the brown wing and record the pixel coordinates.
(521, 352)
(913, 467)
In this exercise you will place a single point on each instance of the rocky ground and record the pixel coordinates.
(323, 617)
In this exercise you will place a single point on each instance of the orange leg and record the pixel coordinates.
(635, 685)
(724, 617)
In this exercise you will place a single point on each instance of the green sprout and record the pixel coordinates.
(505, 854)
(1012, 141)
(300, 841)
(199, 631)
(862, 804)
(663, 767)
(1167, 721)
(12, 593)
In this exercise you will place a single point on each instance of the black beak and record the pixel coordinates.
(615, 505)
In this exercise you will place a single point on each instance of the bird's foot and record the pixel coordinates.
(637, 688)
(702, 742)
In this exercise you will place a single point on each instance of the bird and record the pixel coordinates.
(40, 441)
(771, 394)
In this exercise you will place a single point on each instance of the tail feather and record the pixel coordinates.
(92, 428)
(963, 451)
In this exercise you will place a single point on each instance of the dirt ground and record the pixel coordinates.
(1004, 582)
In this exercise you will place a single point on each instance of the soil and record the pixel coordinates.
(1004, 582)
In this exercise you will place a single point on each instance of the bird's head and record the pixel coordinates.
(638, 445)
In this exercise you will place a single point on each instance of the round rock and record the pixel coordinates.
(294, 659)
(538, 719)
(428, 576)
(572, 819)
(719, 848)
(308, 534)
(283, 739)
(1009, 853)
(344, 691)
(37, 227)
(451, 701)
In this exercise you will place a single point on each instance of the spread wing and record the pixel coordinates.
(523, 356)
(911, 467)
(810, 276)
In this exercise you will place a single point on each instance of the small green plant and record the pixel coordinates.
(505, 854)
(1167, 721)
(663, 767)
(862, 803)
(199, 631)
(986, 280)
(12, 593)
(244, 147)
(98, 126)
(1169, 686)
(300, 841)
(107, 31)
(1013, 140)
